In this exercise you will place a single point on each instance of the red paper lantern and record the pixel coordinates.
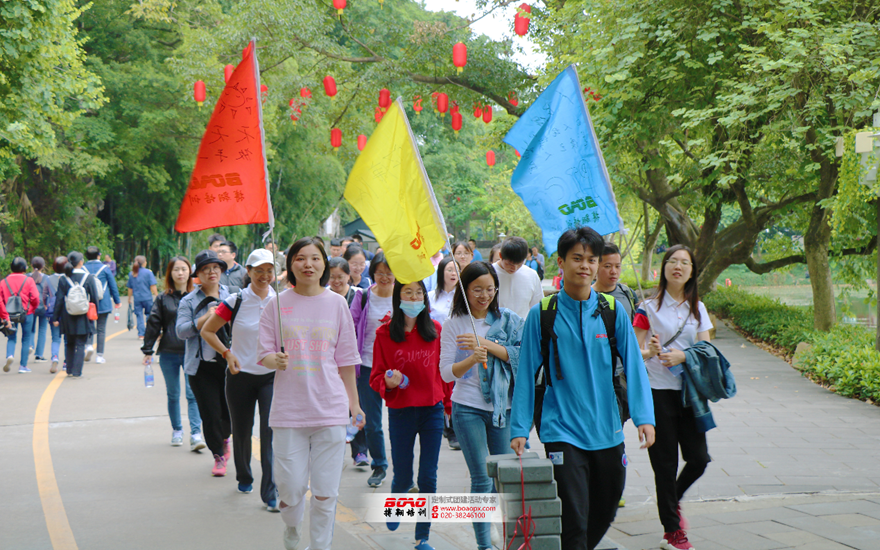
(305, 93)
(454, 108)
(297, 112)
(362, 142)
(417, 104)
(378, 114)
(459, 56)
(522, 19)
(456, 121)
(442, 103)
(199, 92)
(330, 86)
(264, 93)
(478, 110)
(339, 5)
(227, 72)
(487, 114)
(384, 98)
(490, 158)
(511, 98)
(336, 139)
(517, 153)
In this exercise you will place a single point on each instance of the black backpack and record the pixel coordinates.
(14, 306)
(225, 332)
(546, 373)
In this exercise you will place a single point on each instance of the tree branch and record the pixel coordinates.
(463, 83)
(767, 267)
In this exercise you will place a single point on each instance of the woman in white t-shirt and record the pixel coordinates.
(677, 319)
(315, 392)
(441, 296)
(247, 383)
(483, 375)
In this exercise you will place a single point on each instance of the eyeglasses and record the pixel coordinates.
(384, 276)
(674, 262)
(353, 265)
(338, 277)
(484, 292)
(463, 254)
(410, 295)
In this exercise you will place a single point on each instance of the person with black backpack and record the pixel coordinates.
(248, 383)
(581, 425)
(20, 296)
(161, 323)
(205, 368)
(77, 293)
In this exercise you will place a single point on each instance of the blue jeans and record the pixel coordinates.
(478, 439)
(403, 426)
(39, 327)
(142, 309)
(56, 340)
(27, 338)
(371, 403)
(172, 367)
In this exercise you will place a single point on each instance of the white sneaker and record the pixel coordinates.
(176, 437)
(100, 360)
(291, 537)
(196, 443)
(9, 361)
(89, 351)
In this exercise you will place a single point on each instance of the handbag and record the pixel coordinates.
(130, 322)
(92, 314)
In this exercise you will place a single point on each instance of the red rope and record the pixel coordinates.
(524, 523)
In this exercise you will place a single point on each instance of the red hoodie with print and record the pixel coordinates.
(417, 359)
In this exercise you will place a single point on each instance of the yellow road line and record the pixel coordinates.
(53, 507)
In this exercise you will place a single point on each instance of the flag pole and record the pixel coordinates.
(268, 193)
(464, 294)
(638, 280)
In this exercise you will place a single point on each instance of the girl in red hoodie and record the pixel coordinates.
(406, 373)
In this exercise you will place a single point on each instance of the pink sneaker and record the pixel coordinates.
(683, 523)
(227, 449)
(219, 469)
(676, 541)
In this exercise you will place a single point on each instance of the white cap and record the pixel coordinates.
(259, 257)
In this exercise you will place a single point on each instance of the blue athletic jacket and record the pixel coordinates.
(706, 377)
(581, 409)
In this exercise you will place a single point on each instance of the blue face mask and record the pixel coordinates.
(412, 309)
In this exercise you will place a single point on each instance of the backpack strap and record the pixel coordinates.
(364, 298)
(235, 309)
(609, 318)
(548, 337)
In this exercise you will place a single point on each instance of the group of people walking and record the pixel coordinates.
(72, 304)
(475, 352)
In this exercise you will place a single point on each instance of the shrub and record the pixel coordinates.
(762, 317)
(846, 360)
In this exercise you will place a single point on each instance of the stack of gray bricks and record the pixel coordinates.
(540, 496)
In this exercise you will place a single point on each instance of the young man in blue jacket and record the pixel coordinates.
(580, 426)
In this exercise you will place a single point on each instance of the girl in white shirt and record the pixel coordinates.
(678, 319)
(441, 296)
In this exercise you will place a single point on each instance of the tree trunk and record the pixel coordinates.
(650, 244)
(817, 243)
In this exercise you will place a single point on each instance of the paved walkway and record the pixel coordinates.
(795, 467)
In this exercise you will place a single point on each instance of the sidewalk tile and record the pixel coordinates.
(833, 531)
(751, 516)
(853, 520)
(765, 528)
(726, 534)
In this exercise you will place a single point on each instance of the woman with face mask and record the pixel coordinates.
(406, 360)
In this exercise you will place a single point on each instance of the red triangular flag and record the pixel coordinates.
(228, 184)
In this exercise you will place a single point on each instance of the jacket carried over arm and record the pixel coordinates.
(497, 380)
(706, 377)
(581, 408)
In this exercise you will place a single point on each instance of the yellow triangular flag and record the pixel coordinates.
(389, 188)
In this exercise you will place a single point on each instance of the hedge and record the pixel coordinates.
(843, 359)
(764, 318)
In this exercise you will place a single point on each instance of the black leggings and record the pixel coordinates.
(209, 387)
(675, 427)
(244, 391)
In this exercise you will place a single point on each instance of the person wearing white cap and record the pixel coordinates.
(247, 383)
